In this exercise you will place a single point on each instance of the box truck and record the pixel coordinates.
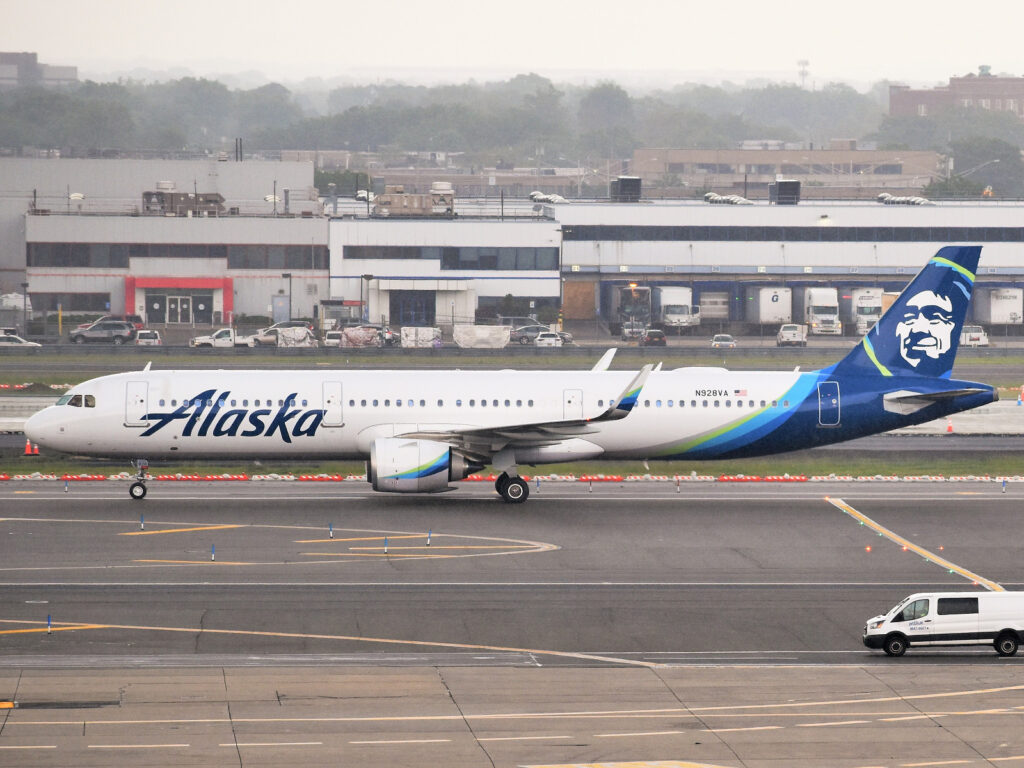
(860, 308)
(771, 305)
(674, 309)
(999, 306)
(819, 311)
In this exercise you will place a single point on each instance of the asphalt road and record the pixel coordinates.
(720, 625)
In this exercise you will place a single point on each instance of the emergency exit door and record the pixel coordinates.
(333, 416)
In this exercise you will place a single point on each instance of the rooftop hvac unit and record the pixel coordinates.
(784, 192)
(626, 189)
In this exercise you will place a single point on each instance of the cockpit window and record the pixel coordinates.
(64, 400)
(90, 401)
(76, 401)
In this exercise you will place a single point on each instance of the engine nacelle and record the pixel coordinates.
(415, 466)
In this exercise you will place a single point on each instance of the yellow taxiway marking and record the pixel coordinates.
(180, 530)
(354, 638)
(51, 629)
(273, 744)
(1005, 759)
(24, 491)
(940, 762)
(734, 730)
(138, 746)
(522, 738)
(834, 722)
(366, 538)
(896, 538)
(367, 554)
(453, 546)
(192, 562)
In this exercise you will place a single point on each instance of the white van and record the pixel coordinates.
(950, 618)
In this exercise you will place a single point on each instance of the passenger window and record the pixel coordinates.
(304, 403)
(508, 403)
(750, 403)
(775, 403)
(351, 403)
(529, 403)
(669, 403)
(519, 403)
(785, 403)
(387, 403)
(458, 403)
(647, 403)
(716, 403)
(233, 403)
(739, 403)
(174, 403)
(362, 403)
(600, 403)
(423, 403)
(762, 403)
(76, 401)
(398, 403)
(440, 403)
(375, 403)
(494, 403)
(705, 403)
(90, 401)
(957, 605)
(162, 403)
(728, 403)
(245, 403)
(657, 403)
(916, 610)
(483, 403)
(472, 403)
(693, 403)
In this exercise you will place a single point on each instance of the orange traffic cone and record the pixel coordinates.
(28, 447)
(949, 426)
(35, 450)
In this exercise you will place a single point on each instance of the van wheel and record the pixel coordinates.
(895, 645)
(1006, 644)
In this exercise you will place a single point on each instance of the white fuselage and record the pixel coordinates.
(339, 413)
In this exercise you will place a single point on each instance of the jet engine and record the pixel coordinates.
(415, 466)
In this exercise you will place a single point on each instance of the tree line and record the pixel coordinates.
(525, 120)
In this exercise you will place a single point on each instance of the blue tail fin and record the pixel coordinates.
(920, 332)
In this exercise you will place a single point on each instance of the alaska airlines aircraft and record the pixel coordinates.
(419, 430)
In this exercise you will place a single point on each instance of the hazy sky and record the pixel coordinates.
(648, 41)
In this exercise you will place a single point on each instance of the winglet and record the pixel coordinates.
(147, 366)
(606, 360)
(627, 400)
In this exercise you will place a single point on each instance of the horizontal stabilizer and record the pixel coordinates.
(906, 402)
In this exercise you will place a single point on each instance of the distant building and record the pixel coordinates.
(21, 70)
(982, 91)
(838, 171)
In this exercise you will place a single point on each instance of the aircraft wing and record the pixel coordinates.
(484, 442)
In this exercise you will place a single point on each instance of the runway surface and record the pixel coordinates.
(254, 624)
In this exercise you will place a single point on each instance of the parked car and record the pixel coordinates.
(10, 341)
(632, 329)
(270, 339)
(973, 336)
(525, 334)
(566, 337)
(148, 338)
(225, 337)
(333, 338)
(135, 320)
(723, 341)
(547, 339)
(653, 338)
(109, 331)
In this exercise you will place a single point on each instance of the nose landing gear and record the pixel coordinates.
(137, 490)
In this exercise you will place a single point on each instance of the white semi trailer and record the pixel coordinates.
(999, 306)
(770, 305)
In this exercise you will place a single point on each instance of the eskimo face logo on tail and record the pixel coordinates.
(926, 329)
(205, 416)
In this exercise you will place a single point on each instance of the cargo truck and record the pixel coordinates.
(819, 311)
(999, 306)
(770, 305)
(630, 304)
(860, 308)
(674, 309)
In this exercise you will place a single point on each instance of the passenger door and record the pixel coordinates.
(828, 404)
(915, 621)
(136, 404)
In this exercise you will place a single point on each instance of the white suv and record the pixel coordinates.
(547, 339)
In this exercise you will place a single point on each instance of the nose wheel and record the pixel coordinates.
(137, 490)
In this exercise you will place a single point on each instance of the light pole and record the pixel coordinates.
(24, 308)
(289, 276)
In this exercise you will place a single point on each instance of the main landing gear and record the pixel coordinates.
(514, 490)
(137, 490)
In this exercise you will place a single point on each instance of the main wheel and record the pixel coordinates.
(895, 645)
(500, 482)
(516, 491)
(524, 339)
(118, 340)
(1006, 644)
(137, 490)
(79, 339)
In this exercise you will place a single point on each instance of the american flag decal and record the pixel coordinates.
(739, 393)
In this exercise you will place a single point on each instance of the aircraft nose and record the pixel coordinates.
(39, 427)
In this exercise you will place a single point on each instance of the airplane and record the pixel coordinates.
(420, 431)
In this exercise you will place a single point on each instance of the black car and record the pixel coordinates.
(653, 338)
(104, 331)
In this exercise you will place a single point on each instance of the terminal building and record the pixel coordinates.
(191, 244)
